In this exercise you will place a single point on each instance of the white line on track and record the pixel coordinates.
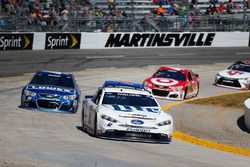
(148, 57)
(103, 57)
(177, 54)
(243, 53)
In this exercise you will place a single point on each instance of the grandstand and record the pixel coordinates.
(123, 15)
(143, 7)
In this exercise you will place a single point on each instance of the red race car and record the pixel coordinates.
(173, 83)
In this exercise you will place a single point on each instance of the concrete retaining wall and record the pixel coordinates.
(78, 40)
(247, 113)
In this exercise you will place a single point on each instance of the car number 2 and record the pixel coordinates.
(138, 130)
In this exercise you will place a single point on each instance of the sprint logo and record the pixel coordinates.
(27, 41)
(16, 41)
(62, 41)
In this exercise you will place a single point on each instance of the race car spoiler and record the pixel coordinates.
(117, 84)
(53, 73)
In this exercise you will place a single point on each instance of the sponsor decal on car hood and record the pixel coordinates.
(135, 116)
(234, 74)
(137, 122)
(125, 108)
(42, 88)
(133, 111)
(166, 82)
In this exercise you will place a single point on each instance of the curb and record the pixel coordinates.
(203, 142)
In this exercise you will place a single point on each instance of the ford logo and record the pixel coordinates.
(137, 122)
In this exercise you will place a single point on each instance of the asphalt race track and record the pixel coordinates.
(19, 62)
(32, 138)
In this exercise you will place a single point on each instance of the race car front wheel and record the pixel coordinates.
(169, 139)
(197, 91)
(185, 94)
(83, 126)
(95, 126)
(22, 101)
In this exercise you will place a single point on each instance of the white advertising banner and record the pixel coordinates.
(164, 40)
(39, 41)
(247, 113)
(231, 39)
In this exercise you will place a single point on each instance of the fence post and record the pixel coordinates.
(244, 15)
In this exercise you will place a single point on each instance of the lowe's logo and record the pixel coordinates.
(137, 122)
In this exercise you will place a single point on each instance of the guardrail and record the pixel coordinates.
(247, 113)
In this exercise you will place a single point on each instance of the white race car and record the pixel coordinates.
(237, 76)
(126, 111)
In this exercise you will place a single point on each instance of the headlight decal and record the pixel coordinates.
(29, 93)
(147, 84)
(163, 123)
(218, 75)
(246, 79)
(108, 118)
(69, 97)
(177, 88)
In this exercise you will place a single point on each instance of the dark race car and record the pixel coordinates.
(51, 91)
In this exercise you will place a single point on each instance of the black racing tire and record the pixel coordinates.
(198, 89)
(185, 95)
(21, 104)
(83, 125)
(22, 101)
(95, 126)
(169, 139)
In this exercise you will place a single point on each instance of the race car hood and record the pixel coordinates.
(149, 113)
(234, 74)
(50, 89)
(166, 82)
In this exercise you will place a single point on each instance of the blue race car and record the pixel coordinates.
(51, 91)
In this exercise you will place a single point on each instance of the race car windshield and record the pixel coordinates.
(55, 80)
(177, 75)
(240, 67)
(128, 99)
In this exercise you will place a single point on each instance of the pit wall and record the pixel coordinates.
(247, 113)
(57, 40)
